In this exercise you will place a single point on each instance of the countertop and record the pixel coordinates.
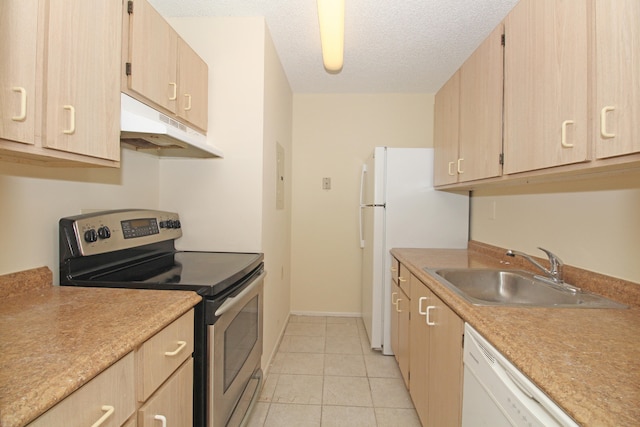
(54, 339)
(586, 360)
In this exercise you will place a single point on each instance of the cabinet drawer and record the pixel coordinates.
(403, 279)
(395, 268)
(173, 401)
(160, 355)
(109, 395)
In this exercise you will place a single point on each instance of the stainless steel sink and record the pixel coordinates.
(515, 288)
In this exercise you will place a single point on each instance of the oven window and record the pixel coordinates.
(239, 339)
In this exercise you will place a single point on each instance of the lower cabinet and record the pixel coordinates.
(158, 375)
(400, 306)
(435, 359)
(107, 400)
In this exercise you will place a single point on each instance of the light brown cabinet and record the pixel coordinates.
(545, 85)
(60, 88)
(446, 132)
(400, 306)
(164, 375)
(161, 69)
(468, 117)
(158, 375)
(435, 358)
(617, 106)
(109, 397)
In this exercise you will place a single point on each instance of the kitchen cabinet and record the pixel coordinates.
(480, 134)
(108, 397)
(435, 358)
(617, 106)
(18, 41)
(446, 132)
(60, 101)
(545, 85)
(164, 375)
(400, 306)
(468, 117)
(161, 69)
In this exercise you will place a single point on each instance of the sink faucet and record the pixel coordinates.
(555, 264)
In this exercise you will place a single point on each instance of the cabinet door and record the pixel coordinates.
(153, 47)
(480, 144)
(618, 77)
(418, 358)
(172, 404)
(395, 295)
(82, 78)
(404, 307)
(445, 366)
(109, 397)
(545, 85)
(445, 134)
(18, 48)
(193, 75)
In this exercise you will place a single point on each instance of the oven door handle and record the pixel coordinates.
(230, 302)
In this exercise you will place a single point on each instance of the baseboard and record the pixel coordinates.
(326, 313)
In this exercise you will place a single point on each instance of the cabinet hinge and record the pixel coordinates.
(501, 159)
(130, 8)
(127, 68)
(502, 38)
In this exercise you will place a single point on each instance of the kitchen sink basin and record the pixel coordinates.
(516, 288)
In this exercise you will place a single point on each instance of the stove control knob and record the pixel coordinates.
(90, 235)
(163, 224)
(104, 232)
(177, 223)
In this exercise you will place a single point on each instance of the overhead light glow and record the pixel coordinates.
(331, 18)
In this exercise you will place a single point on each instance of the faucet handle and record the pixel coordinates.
(555, 264)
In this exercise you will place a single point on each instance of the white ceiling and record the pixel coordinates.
(391, 46)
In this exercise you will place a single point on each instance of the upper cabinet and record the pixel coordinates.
(468, 117)
(617, 106)
(446, 131)
(162, 69)
(60, 96)
(545, 85)
(481, 111)
(18, 42)
(562, 97)
(82, 78)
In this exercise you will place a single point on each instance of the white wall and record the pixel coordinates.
(590, 223)
(34, 198)
(332, 136)
(220, 200)
(229, 204)
(276, 223)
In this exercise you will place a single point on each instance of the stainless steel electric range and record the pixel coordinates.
(135, 249)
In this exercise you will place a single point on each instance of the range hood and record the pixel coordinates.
(144, 129)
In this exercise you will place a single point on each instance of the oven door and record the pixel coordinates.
(235, 352)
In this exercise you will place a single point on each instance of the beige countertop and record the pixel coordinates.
(55, 339)
(586, 360)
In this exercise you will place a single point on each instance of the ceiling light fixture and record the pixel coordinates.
(331, 18)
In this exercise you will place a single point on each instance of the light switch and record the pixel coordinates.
(326, 183)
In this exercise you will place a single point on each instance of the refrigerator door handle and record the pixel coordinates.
(362, 172)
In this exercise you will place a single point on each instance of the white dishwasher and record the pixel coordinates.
(496, 393)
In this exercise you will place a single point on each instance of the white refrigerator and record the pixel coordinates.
(399, 208)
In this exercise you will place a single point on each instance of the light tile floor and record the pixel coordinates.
(325, 375)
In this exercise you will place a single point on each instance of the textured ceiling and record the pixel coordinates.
(391, 46)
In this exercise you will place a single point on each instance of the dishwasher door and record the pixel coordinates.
(496, 393)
